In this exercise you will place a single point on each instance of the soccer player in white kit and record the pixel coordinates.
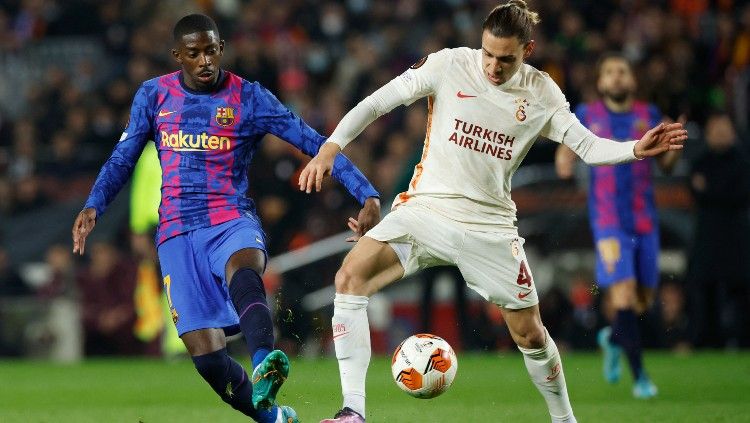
(486, 108)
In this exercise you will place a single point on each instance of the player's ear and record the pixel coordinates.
(176, 55)
(221, 47)
(528, 49)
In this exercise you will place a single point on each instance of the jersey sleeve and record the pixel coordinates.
(270, 116)
(558, 114)
(420, 80)
(118, 168)
(424, 77)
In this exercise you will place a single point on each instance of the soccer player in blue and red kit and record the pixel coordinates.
(207, 124)
(623, 217)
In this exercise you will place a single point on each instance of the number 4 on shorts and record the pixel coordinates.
(524, 278)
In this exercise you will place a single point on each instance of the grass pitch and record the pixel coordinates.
(702, 387)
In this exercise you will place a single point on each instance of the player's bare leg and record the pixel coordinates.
(369, 267)
(542, 360)
(627, 300)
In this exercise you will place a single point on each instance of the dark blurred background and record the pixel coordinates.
(69, 69)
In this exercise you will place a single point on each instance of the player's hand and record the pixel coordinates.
(368, 217)
(82, 227)
(664, 137)
(318, 168)
(565, 162)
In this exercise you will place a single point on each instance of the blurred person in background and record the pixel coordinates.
(486, 109)
(107, 286)
(207, 124)
(11, 283)
(623, 218)
(675, 321)
(718, 278)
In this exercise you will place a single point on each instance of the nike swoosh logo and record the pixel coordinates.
(462, 95)
(341, 334)
(163, 113)
(522, 295)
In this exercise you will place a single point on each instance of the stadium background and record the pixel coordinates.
(68, 70)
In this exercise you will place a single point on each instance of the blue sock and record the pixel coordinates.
(249, 299)
(259, 355)
(228, 379)
(625, 333)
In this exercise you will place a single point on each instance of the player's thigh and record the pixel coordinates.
(370, 266)
(494, 264)
(420, 237)
(525, 326)
(233, 245)
(416, 238)
(197, 298)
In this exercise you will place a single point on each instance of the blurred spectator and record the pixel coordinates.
(674, 319)
(718, 277)
(62, 280)
(11, 283)
(107, 287)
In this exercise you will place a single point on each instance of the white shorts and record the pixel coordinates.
(493, 263)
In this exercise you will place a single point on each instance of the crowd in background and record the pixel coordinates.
(320, 58)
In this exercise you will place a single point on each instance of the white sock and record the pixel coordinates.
(351, 337)
(545, 368)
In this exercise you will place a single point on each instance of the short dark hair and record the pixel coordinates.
(612, 55)
(512, 19)
(194, 23)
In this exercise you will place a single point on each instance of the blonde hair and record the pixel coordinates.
(512, 19)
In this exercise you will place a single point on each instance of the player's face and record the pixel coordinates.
(616, 80)
(502, 56)
(200, 53)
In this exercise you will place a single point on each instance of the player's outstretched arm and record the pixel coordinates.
(82, 227)
(660, 139)
(116, 170)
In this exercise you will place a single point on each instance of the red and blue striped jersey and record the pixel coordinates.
(621, 196)
(205, 142)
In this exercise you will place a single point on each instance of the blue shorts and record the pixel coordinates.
(193, 264)
(621, 255)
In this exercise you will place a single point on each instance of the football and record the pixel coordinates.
(424, 365)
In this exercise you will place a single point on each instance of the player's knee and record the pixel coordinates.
(533, 338)
(349, 282)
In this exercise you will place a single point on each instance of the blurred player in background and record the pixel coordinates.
(207, 124)
(623, 217)
(486, 108)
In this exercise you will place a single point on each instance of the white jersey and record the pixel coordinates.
(477, 133)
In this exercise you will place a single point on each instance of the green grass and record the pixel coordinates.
(704, 387)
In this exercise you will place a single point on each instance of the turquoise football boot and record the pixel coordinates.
(288, 415)
(612, 353)
(268, 376)
(644, 388)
